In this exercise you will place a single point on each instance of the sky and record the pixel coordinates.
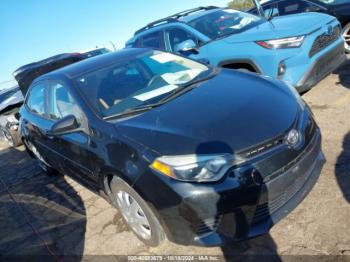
(31, 30)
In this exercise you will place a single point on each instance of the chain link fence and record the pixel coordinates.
(241, 4)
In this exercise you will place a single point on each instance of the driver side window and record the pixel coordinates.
(62, 103)
(177, 36)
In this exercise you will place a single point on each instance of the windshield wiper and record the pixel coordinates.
(187, 86)
(133, 111)
(178, 91)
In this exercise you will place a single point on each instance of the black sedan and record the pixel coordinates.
(200, 155)
(338, 8)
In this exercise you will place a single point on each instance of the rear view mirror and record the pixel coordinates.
(65, 125)
(187, 46)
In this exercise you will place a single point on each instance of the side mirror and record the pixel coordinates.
(187, 46)
(65, 125)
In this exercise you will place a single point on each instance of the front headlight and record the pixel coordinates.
(290, 42)
(194, 168)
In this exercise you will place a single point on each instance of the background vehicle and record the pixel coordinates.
(338, 8)
(95, 52)
(290, 48)
(10, 102)
(198, 154)
(25, 76)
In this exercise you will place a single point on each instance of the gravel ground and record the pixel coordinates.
(54, 216)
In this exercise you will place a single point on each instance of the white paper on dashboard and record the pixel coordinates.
(164, 58)
(154, 93)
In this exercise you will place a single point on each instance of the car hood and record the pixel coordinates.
(282, 27)
(227, 113)
(16, 98)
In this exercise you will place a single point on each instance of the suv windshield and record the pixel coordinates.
(224, 22)
(140, 81)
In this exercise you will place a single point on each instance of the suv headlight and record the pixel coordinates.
(193, 168)
(290, 42)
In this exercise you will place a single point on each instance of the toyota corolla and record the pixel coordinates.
(187, 152)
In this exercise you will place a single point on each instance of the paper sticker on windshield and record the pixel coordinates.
(157, 92)
(164, 57)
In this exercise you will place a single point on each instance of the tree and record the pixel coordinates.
(241, 4)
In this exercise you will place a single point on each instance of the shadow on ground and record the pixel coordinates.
(342, 168)
(40, 215)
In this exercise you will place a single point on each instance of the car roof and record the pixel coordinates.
(94, 63)
(184, 16)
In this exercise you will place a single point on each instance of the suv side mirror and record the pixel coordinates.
(187, 46)
(65, 125)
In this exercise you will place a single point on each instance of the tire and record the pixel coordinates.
(346, 35)
(152, 237)
(11, 137)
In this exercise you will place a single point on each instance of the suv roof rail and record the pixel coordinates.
(173, 18)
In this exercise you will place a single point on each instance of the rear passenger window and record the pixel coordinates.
(37, 98)
(153, 40)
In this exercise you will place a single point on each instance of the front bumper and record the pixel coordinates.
(322, 67)
(234, 209)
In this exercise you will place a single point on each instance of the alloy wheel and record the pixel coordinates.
(134, 215)
(346, 36)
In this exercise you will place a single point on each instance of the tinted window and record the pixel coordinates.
(153, 40)
(62, 103)
(36, 99)
(177, 36)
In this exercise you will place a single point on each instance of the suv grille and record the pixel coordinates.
(324, 40)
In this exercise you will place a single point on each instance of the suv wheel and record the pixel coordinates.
(346, 35)
(136, 213)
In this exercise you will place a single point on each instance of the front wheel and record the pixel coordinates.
(346, 36)
(136, 213)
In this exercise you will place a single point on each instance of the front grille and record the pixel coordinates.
(324, 40)
(264, 210)
(208, 225)
(289, 182)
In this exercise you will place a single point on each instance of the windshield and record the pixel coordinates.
(224, 22)
(138, 82)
